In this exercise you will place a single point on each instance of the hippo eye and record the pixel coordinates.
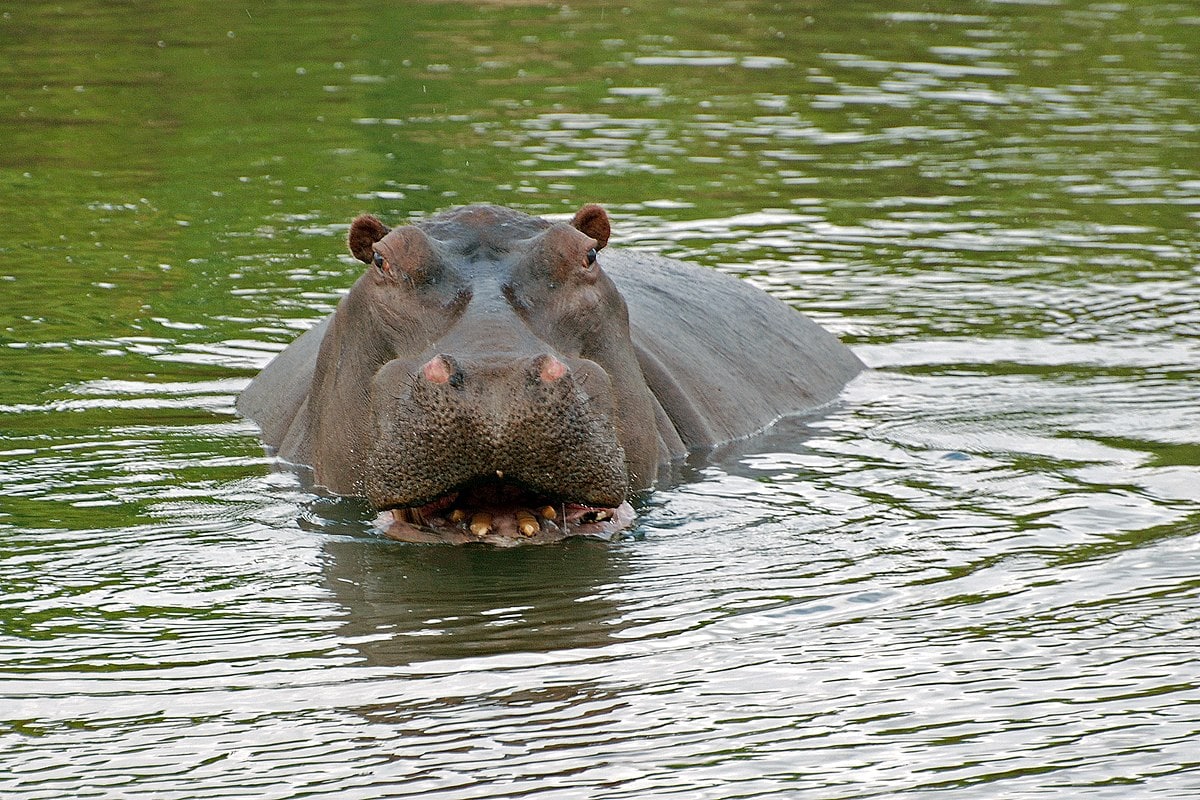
(591, 256)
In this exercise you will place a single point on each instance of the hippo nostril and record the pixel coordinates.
(437, 370)
(551, 369)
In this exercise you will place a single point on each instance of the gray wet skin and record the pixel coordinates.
(489, 365)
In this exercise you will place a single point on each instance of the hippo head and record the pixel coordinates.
(483, 378)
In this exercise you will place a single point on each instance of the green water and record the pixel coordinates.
(976, 576)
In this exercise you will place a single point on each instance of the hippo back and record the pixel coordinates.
(723, 358)
(277, 398)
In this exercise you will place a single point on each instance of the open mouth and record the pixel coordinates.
(502, 514)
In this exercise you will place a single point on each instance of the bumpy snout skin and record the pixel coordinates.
(527, 421)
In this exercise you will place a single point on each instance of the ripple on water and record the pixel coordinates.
(973, 575)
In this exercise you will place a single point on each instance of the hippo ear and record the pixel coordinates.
(592, 220)
(365, 231)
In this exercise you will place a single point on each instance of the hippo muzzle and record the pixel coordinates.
(496, 445)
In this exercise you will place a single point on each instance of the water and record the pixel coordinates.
(976, 575)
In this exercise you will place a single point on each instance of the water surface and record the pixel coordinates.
(975, 575)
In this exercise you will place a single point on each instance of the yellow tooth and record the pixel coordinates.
(457, 515)
(527, 523)
(548, 512)
(481, 523)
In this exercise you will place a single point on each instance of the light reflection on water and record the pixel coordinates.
(975, 573)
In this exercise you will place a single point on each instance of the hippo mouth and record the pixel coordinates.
(503, 514)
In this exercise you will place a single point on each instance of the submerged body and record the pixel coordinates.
(493, 377)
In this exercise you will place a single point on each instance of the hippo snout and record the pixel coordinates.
(534, 421)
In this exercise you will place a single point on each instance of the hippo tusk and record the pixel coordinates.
(527, 523)
(595, 515)
(481, 523)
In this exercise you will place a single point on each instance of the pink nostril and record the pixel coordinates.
(436, 370)
(552, 369)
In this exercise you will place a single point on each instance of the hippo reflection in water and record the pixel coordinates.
(494, 376)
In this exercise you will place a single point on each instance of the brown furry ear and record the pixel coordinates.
(365, 231)
(592, 220)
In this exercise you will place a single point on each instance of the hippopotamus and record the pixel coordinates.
(496, 376)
